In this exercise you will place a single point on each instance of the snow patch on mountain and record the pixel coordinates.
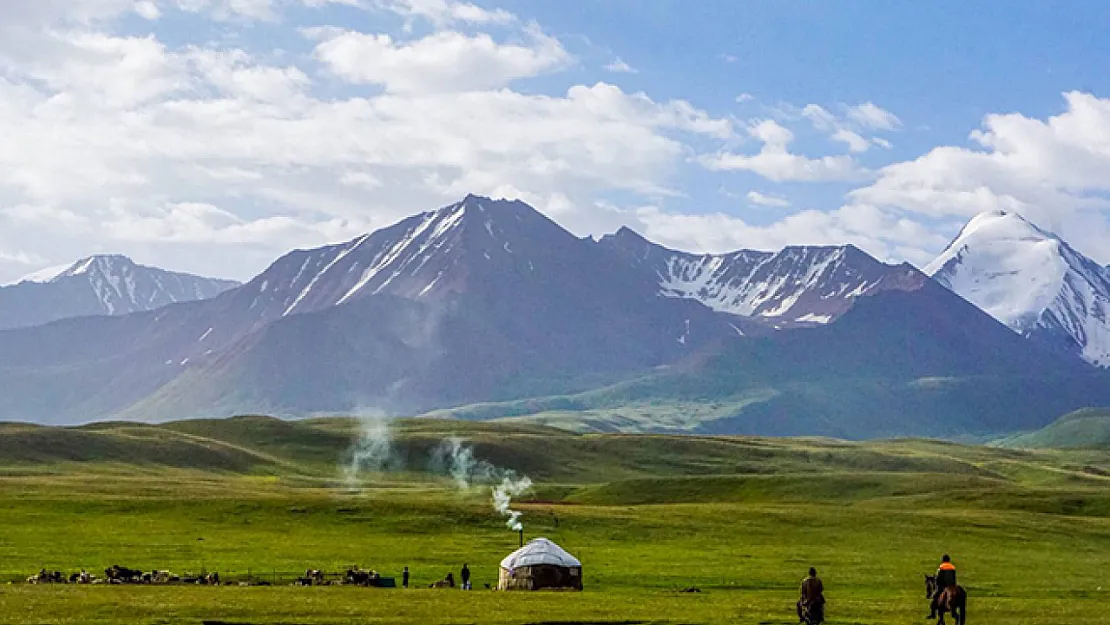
(800, 285)
(1032, 281)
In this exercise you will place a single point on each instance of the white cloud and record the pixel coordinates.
(775, 162)
(1054, 171)
(148, 10)
(820, 117)
(763, 199)
(868, 115)
(865, 117)
(849, 138)
(620, 67)
(881, 233)
(440, 62)
(729, 58)
(446, 12)
(212, 159)
(744, 97)
(230, 9)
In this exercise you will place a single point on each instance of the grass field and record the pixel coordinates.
(740, 519)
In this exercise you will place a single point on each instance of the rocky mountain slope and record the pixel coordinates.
(798, 286)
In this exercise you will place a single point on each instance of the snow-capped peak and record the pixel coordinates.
(1031, 280)
(99, 285)
(107, 263)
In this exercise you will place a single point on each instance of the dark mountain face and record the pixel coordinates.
(922, 362)
(100, 285)
(798, 286)
(481, 300)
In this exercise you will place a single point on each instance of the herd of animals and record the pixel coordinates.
(117, 574)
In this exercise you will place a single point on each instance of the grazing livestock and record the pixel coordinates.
(447, 582)
(117, 574)
(47, 577)
(358, 577)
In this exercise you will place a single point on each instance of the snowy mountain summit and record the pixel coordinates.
(99, 285)
(1032, 281)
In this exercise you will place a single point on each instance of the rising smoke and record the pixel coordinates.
(372, 450)
(458, 459)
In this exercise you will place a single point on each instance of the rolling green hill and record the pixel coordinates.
(738, 518)
(1087, 428)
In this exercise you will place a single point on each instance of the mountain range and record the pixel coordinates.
(99, 285)
(490, 303)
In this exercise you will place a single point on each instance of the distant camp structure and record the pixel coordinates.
(540, 565)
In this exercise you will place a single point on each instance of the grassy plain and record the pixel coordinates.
(739, 519)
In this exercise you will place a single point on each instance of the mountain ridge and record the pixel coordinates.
(796, 286)
(99, 285)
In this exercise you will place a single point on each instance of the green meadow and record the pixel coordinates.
(738, 519)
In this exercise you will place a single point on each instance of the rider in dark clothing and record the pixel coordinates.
(813, 595)
(946, 577)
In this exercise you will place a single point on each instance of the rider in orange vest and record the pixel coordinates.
(946, 577)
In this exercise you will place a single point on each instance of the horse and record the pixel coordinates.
(812, 613)
(952, 600)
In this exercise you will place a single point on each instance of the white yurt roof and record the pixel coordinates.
(539, 551)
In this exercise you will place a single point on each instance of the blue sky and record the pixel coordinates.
(213, 135)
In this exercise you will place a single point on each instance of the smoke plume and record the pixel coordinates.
(372, 451)
(458, 459)
(503, 495)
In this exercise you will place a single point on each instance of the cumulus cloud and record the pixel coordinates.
(775, 162)
(1055, 172)
(882, 233)
(441, 62)
(217, 159)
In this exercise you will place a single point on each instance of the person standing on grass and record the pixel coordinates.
(465, 576)
(405, 578)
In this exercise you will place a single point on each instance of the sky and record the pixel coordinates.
(213, 136)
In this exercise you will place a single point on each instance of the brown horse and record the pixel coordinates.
(953, 600)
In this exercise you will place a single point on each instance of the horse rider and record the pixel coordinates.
(813, 595)
(946, 578)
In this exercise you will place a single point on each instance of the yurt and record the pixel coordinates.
(540, 565)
